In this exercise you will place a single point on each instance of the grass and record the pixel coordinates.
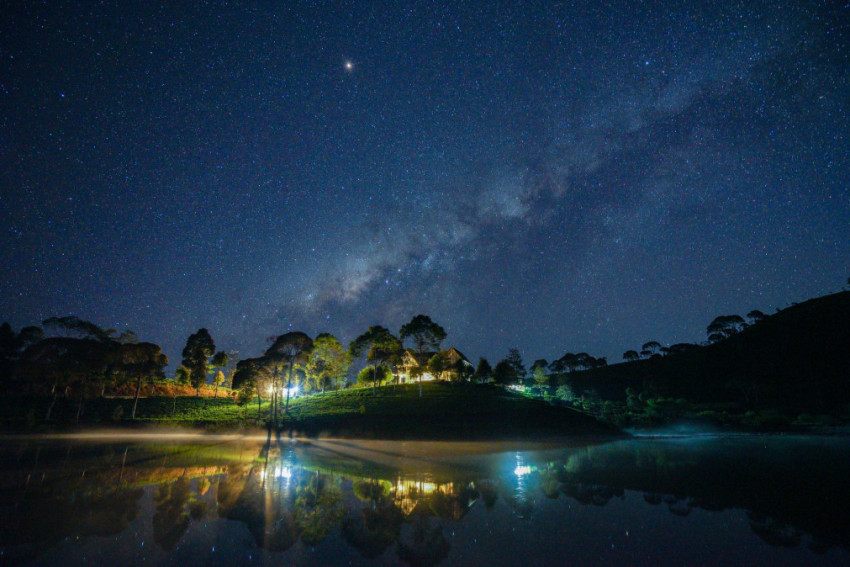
(445, 411)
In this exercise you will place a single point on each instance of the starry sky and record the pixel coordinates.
(573, 176)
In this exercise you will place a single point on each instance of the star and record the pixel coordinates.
(349, 66)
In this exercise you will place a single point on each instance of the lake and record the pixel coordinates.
(218, 500)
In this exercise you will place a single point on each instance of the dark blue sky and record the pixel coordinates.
(555, 177)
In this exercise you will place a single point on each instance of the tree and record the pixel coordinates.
(540, 377)
(367, 375)
(199, 348)
(437, 365)
(505, 373)
(755, 316)
(219, 361)
(72, 326)
(140, 361)
(248, 379)
(290, 348)
(631, 356)
(182, 375)
(378, 344)
(128, 337)
(650, 349)
(218, 380)
(515, 360)
(66, 364)
(483, 371)
(328, 361)
(425, 334)
(539, 363)
(724, 327)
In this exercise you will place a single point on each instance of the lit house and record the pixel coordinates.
(456, 364)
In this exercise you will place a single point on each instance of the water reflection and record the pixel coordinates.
(405, 503)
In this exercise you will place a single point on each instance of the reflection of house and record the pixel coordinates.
(445, 500)
(456, 362)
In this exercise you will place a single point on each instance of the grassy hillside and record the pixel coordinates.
(798, 358)
(445, 411)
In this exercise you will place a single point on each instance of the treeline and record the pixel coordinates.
(75, 358)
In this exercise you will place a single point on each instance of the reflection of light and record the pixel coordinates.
(282, 472)
(522, 470)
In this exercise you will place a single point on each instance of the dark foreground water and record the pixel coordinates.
(701, 500)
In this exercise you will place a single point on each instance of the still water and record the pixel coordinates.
(699, 500)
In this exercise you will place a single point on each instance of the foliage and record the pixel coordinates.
(378, 344)
(382, 374)
(199, 348)
(424, 333)
(505, 374)
(328, 362)
(724, 327)
(483, 372)
(540, 377)
(515, 360)
(437, 365)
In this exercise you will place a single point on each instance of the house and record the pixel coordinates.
(456, 363)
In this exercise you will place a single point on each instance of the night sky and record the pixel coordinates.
(576, 176)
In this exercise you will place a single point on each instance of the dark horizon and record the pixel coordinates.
(552, 178)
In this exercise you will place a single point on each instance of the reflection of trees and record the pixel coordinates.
(774, 532)
(378, 525)
(171, 519)
(45, 515)
(426, 545)
(593, 494)
(265, 510)
(489, 492)
(318, 507)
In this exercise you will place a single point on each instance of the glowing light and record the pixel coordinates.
(349, 66)
(522, 470)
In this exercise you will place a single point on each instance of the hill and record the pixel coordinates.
(797, 360)
(445, 411)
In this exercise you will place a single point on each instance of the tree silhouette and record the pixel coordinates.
(631, 356)
(291, 349)
(423, 332)
(199, 348)
(504, 373)
(650, 348)
(140, 361)
(724, 327)
(379, 346)
(515, 360)
(483, 371)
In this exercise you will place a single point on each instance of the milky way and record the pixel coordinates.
(555, 177)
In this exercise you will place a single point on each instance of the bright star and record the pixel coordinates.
(349, 66)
